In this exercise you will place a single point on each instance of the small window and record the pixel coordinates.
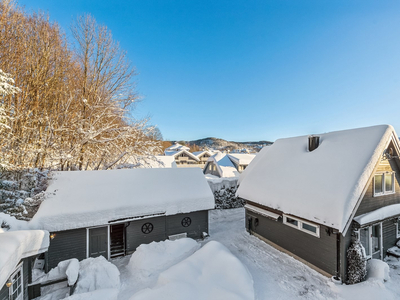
(186, 221)
(16, 290)
(384, 184)
(302, 225)
(364, 239)
(147, 228)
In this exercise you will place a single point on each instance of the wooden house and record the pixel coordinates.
(203, 157)
(184, 158)
(110, 213)
(220, 165)
(241, 160)
(311, 196)
(18, 251)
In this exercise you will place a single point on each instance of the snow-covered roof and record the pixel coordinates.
(176, 153)
(164, 162)
(89, 198)
(16, 245)
(241, 158)
(177, 147)
(224, 165)
(201, 153)
(378, 214)
(322, 186)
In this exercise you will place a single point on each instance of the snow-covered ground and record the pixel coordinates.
(208, 270)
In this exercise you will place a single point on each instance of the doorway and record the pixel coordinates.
(98, 242)
(117, 240)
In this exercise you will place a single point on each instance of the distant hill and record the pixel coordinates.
(220, 144)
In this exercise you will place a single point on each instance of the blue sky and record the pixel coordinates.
(254, 70)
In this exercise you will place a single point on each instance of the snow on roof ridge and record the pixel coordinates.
(314, 177)
(16, 245)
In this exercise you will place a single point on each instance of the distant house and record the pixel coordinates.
(177, 147)
(311, 196)
(184, 158)
(202, 156)
(220, 165)
(240, 160)
(110, 213)
(18, 251)
(227, 165)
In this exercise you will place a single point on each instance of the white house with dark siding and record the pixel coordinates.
(110, 213)
(311, 195)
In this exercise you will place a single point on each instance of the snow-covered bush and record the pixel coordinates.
(224, 190)
(377, 269)
(356, 263)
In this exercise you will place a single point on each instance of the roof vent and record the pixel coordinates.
(313, 142)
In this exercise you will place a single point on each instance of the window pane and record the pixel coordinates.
(291, 221)
(389, 183)
(398, 227)
(364, 239)
(309, 227)
(378, 184)
(375, 238)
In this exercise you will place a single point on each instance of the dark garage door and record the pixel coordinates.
(98, 242)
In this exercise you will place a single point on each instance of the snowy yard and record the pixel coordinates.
(206, 270)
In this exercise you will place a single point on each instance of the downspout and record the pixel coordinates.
(337, 275)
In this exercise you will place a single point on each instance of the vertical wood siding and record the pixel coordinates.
(389, 235)
(199, 224)
(4, 295)
(135, 236)
(66, 245)
(345, 242)
(4, 292)
(321, 252)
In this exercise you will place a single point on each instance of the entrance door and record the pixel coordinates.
(117, 240)
(98, 242)
(376, 241)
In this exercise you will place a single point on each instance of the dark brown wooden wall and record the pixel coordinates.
(4, 292)
(321, 252)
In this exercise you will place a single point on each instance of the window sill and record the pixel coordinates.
(384, 194)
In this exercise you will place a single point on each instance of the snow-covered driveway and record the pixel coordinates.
(276, 275)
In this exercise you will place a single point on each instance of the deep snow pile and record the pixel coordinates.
(149, 259)
(210, 273)
(377, 270)
(95, 274)
(65, 269)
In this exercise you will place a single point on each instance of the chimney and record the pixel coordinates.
(313, 142)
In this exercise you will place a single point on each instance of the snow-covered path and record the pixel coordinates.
(276, 275)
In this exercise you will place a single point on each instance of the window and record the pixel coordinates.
(384, 184)
(364, 239)
(304, 226)
(398, 228)
(16, 290)
(371, 239)
(147, 228)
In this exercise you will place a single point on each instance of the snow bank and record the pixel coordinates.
(90, 198)
(16, 245)
(377, 270)
(289, 178)
(210, 273)
(8, 222)
(379, 214)
(155, 257)
(103, 294)
(65, 269)
(95, 274)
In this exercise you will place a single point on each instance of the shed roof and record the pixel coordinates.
(322, 186)
(90, 198)
(16, 245)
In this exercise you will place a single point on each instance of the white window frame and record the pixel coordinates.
(384, 192)
(300, 225)
(10, 289)
(370, 239)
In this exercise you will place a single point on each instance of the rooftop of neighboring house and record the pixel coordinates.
(177, 147)
(177, 153)
(90, 198)
(16, 245)
(224, 165)
(241, 158)
(323, 185)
